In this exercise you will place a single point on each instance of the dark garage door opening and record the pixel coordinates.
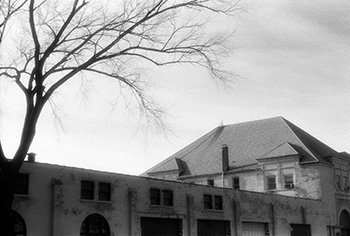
(213, 228)
(161, 227)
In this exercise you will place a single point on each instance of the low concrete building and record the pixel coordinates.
(64, 201)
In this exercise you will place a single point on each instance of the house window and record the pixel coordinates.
(208, 204)
(22, 184)
(104, 191)
(279, 175)
(87, 190)
(155, 196)
(218, 202)
(210, 182)
(94, 225)
(346, 182)
(167, 198)
(161, 197)
(337, 181)
(271, 182)
(235, 182)
(288, 181)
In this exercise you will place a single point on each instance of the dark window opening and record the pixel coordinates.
(104, 191)
(167, 198)
(235, 183)
(288, 181)
(218, 202)
(155, 196)
(208, 204)
(210, 182)
(87, 190)
(22, 184)
(271, 182)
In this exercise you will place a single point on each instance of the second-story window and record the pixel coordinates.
(288, 181)
(279, 175)
(167, 198)
(104, 191)
(22, 184)
(210, 182)
(271, 182)
(217, 202)
(235, 183)
(87, 190)
(155, 196)
(213, 202)
(208, 203)
(161, 197)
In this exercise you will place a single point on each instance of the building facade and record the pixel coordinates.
(270, 156)
(59, 201)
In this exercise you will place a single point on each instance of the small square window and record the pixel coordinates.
(218, 202)
(288, 181)
(235, 182)
(167, 198)
(104, 191)
(210, 182)
(208, 204)
(22, 184)
(87, 190)
(271, 182)
(155, 196)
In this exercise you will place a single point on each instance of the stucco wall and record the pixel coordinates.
(59, 207)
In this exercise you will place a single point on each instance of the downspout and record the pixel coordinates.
(54, 182)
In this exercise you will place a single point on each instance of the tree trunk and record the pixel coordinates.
(7, 184)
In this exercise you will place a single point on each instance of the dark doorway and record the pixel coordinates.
(213, 228)
(344, 222)
(300, 230)
(161, 227)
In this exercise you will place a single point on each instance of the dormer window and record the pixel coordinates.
(288, 181)
(271, 182)
(279, 175)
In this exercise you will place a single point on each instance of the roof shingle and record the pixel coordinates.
(247, 142)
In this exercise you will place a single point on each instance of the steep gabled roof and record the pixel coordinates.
(247, 142)
(283, 150)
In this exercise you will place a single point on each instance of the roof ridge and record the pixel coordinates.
(212, 132)
(287, 122)
(256, 120)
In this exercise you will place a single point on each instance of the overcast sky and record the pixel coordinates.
(294, 59)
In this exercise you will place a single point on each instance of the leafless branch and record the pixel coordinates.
(113, 40)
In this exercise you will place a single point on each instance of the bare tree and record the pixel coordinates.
(64, 39)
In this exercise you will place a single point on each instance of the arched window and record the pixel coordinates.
(344, 222)
(18, 225)
(94, 225)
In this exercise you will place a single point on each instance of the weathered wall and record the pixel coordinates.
(65, 212)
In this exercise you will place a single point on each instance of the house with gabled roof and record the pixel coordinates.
(271, 155)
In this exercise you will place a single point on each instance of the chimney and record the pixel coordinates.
(225, 158)
(31, 157)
